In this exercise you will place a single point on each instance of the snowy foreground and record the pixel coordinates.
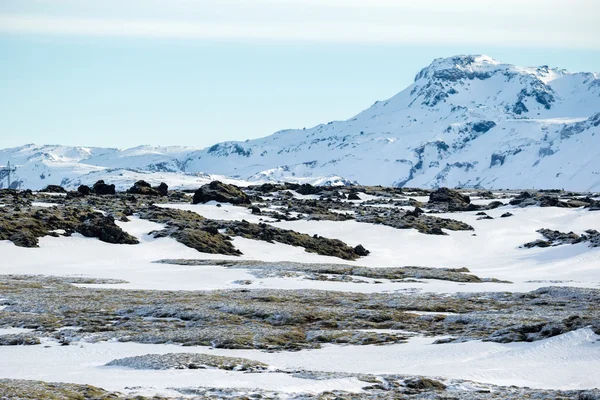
(567, 361)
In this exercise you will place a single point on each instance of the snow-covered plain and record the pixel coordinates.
(554, 363)
(491, 250)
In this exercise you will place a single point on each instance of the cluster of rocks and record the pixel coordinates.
(189, 361)
(557, 238)
(289, 319)
(21, 339)
(327, 271)
(554, 199)
(376, 387)
(144, 188)
(214, 236)
(24, 225)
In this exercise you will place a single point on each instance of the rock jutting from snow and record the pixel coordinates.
(220, 192)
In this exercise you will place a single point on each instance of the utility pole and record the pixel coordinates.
(8, 170)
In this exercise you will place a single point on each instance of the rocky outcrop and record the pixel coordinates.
(54, 189)
(214, 236)
(189, 361)
(557, 238)
(84, 190)
(549, 199)
(101, 188)
(24, 226)
(21, 339)
(451, 200)
(222, 193)
(104, 228)
(144, 188)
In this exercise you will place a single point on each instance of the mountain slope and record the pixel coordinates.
(465, 121)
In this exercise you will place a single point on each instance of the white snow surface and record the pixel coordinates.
(554, 363)
(493, 252)
(465, 121)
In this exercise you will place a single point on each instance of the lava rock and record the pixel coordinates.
(54, 189)
(256, 210)
(144, 188)
(307, 189)
(361, 251)
(101, 188)
(84, 190)
(222, 193)
(353, 196)
(452, 199)
(105, 229)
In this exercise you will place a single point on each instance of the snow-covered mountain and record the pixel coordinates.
(466, 121)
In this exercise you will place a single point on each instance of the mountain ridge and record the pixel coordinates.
(465, 121)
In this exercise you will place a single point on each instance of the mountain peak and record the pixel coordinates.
(459, 65)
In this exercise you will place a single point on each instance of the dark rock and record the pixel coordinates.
(415, 213)
(84, 190)
(424, 384)
(144, 188)
(538, 243)
(453, 200)
(361, 251)
(307, 189)
(18, 340)
(486, 195)
(163, 189)
(101, 188)
(494, 204)
(256, 210)
(506, 215)
(54, 189)
(105, 229)
(353, 196)
(595, 206)
(222, 193)
(24, 239)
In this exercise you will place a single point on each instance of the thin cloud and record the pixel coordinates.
(513, 23)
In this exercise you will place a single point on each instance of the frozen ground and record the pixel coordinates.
(491, 250)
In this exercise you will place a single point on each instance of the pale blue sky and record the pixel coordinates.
(195, 72)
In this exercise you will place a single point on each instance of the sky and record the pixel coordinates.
(196, 72)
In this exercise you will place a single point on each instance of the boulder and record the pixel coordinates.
(353, 196)
(163, 189)
(101, 188)
(256, 210)
(144, 188)
(494, 204)
(84, 190)
(104, 228)
(453, 199)
(222, 193)
(361, 251)
(307, 188)
(54, 189)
